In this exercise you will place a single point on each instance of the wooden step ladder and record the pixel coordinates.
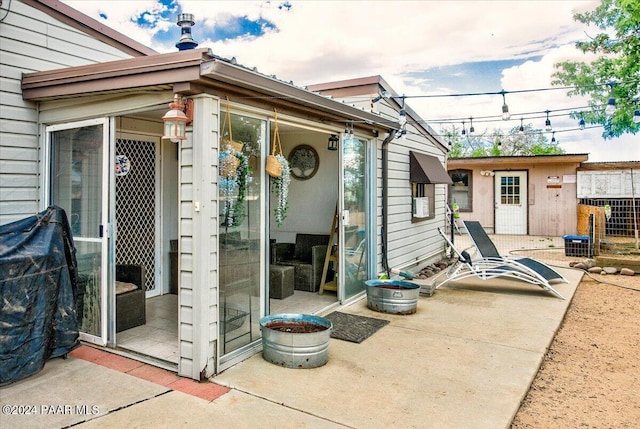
(331, 256)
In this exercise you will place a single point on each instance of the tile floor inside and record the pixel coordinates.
(159, 336)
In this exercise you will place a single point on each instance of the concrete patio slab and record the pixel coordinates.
(465, 359)
(69, 391)
(234, 410)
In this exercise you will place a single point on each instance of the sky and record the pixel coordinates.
(429, 51)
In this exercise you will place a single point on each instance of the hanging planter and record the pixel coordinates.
(280, 173)
(233, 167)
(281, 190)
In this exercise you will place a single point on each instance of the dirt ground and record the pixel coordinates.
(590, 377)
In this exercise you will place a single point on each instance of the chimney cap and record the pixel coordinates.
(186, 21)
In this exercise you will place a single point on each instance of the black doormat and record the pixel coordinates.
(353, 328)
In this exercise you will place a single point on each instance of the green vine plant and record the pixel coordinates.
(281, 190)
(234, 171)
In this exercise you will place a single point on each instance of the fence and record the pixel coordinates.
(602, 232)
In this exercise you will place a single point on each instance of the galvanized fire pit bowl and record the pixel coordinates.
(392, 296)
(295, 340)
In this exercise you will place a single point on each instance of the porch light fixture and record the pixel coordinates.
(547, 123)
(333, 142)
(505, 109)
(176, 120)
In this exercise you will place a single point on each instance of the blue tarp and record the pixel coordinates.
(38, 283)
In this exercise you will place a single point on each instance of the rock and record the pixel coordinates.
(580, 266)
(590, 263)
(572, 264)
(627, 272)
(610, 270)
(596, 270)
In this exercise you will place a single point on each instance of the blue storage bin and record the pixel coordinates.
(576, 245)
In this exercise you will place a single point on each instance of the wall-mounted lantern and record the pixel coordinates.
(176, 119)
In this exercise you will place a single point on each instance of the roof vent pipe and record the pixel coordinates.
(185, 21)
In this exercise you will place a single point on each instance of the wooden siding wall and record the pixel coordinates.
(198, 231)
(552, 208)
(30, 41)
(408, 242)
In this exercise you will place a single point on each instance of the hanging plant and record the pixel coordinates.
(233, 167)
(281, 189)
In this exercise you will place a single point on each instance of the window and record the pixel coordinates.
(460, 191)
(510, 190)
(425, 171)
(423, 199)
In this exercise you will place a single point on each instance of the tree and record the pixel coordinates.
(615, 70)
(497, 143)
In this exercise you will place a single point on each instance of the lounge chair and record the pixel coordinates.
(491, 264)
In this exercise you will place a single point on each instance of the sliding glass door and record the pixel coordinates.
(241, 237)
(355, 200)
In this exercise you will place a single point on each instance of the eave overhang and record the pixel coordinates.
(239, 76)
(507, 161)
(114, 76)
(192, 72)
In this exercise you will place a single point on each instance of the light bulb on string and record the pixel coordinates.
(582, 124)
(505, 109)
(464, 130)
(471, 128)
(610, 110)
(521, 129)
(636, 113)
(547, 123)
(553, 137)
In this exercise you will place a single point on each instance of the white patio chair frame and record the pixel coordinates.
(491, 267)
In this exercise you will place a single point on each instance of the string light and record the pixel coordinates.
(505, 109)
(547, 123)
(610, 110)
(521, 129)
(471, 128)
(553, 138)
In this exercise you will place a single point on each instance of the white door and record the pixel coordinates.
(77, 181)
(511, 202)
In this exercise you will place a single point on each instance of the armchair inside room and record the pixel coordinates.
(130, 300)
(307, 256)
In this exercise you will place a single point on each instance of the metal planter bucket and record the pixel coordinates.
(295, 340)
(392, 296)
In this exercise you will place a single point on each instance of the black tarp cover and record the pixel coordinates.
(38, 282)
